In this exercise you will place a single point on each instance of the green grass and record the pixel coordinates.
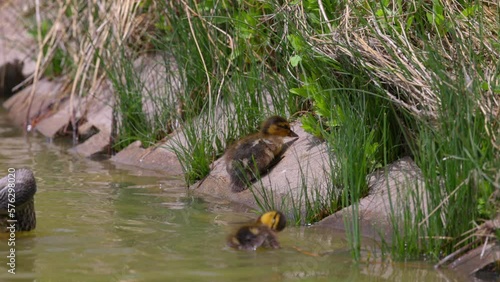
(457, 155)
(377, 80)
(146, 104)
(231, 89)
(195, 152)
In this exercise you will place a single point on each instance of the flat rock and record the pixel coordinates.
(160, 81)
(156, 158)
(100, 109)
(479, 262)
(160, 84)
(55, 123)
(98, 143)
(99, 115)
(46, 102)
(390, 190)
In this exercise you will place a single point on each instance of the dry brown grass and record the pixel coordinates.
(396, 57)
(90, 35)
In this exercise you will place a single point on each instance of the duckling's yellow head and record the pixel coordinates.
(278, 126)
(274, 220)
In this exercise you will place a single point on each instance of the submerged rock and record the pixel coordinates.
(17, 191)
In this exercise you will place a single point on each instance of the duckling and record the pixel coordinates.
(260, 233)
(254, 154)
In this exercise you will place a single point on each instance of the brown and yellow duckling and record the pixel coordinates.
(254, 154)
(261, 233)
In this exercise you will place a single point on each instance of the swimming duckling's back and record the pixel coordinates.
(251, 237)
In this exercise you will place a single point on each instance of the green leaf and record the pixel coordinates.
(300, 91)
(295, 60)
(485, 86)
(311, 125)
(297, 42)
(470, 11)
(409, 22)
(438, 13)
(430, 17)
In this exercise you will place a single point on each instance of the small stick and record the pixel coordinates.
(306, 252)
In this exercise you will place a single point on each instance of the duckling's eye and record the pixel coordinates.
(275, 219)
(285, 126)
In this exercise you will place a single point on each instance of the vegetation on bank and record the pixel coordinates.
(377, 80)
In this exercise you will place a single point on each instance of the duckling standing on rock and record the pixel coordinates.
(261, 233)
(254, 154)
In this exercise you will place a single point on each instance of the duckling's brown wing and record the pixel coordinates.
(248, 148)
(256, 155)
(239, 174)
(250, 158)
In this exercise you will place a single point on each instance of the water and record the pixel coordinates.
(99, 222)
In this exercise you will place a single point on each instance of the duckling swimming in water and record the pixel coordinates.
(254, 154)
(260, 233)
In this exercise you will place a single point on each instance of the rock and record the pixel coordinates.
(99, 115)
(58, 120)
(160, 84)
(16, 42)
(392, 185)
(96, 144)
(86, 130)
(481, 262)
(156, 158)
(479, 259)
(51, 115)
(99, 108)
(96, 108)
(19, 202)
(46, 101)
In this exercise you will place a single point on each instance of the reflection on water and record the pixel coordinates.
(97, 222)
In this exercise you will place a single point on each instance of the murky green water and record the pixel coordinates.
(97, 222)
